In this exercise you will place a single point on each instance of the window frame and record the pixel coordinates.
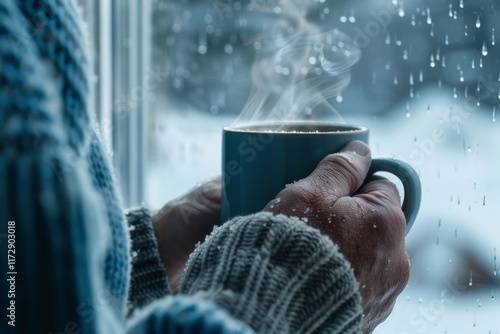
(120, 39)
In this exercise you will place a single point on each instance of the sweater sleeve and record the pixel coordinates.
(148, 280)
(278, 275)
(54, 226)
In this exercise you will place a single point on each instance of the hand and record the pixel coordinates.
(184, 222)
(364, 220)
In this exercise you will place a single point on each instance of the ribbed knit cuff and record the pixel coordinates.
(276, 274)
(185, 315)
(149, 279)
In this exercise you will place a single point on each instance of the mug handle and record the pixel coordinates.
(411, 185)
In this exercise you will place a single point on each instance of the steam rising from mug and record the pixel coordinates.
(300, 69)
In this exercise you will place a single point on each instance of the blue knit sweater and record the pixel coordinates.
(60, 213)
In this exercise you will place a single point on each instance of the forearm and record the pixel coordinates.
(276, 274)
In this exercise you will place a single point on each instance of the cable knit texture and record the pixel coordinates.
(55, 28)
(73, 250)
(185, 315)
(276, 274)
(72, 245)
(148, 281)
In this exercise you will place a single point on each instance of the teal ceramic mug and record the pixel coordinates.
(259, 160)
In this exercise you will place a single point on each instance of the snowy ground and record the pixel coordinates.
(455, 282)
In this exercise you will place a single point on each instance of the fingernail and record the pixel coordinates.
(357, 147)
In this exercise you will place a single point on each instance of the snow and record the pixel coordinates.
(457, 234)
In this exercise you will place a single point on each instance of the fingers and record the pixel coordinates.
(382, 189)
(209, 192)
(384, 197)
(343, 173)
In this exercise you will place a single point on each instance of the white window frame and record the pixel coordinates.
(121, 37)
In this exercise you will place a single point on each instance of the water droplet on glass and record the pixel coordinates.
(493, 36)
(480, 62)
(462, 76)
(202, 49)
(493, 115)
(343, 18)
(479, 302)
(469, 149)
(387, 39)
(455, 95)
(411, 79)
(478, 22)
(466, 31)
(412, 95)
(433, 63)
(447, 40)
(429, 19)
(485, 49)
(461, 4)
(352, 18)
(408, 115)
(473, 65)
(228, 48)
(443, 61)
(432, 30)
(450, 11)
(405, 54)
(413, 23)
(420, 300)
(494, 261)
(470, 278)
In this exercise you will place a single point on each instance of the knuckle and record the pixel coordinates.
(303, 193)
(341, 165)
(392, 224)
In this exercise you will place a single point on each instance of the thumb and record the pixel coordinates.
(343, 172)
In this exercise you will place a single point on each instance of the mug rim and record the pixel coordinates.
(342, 128)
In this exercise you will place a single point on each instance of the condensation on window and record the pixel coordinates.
(427, 84)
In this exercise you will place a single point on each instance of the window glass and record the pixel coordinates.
(427, 83)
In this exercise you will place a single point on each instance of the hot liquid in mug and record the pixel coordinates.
(259, 160)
